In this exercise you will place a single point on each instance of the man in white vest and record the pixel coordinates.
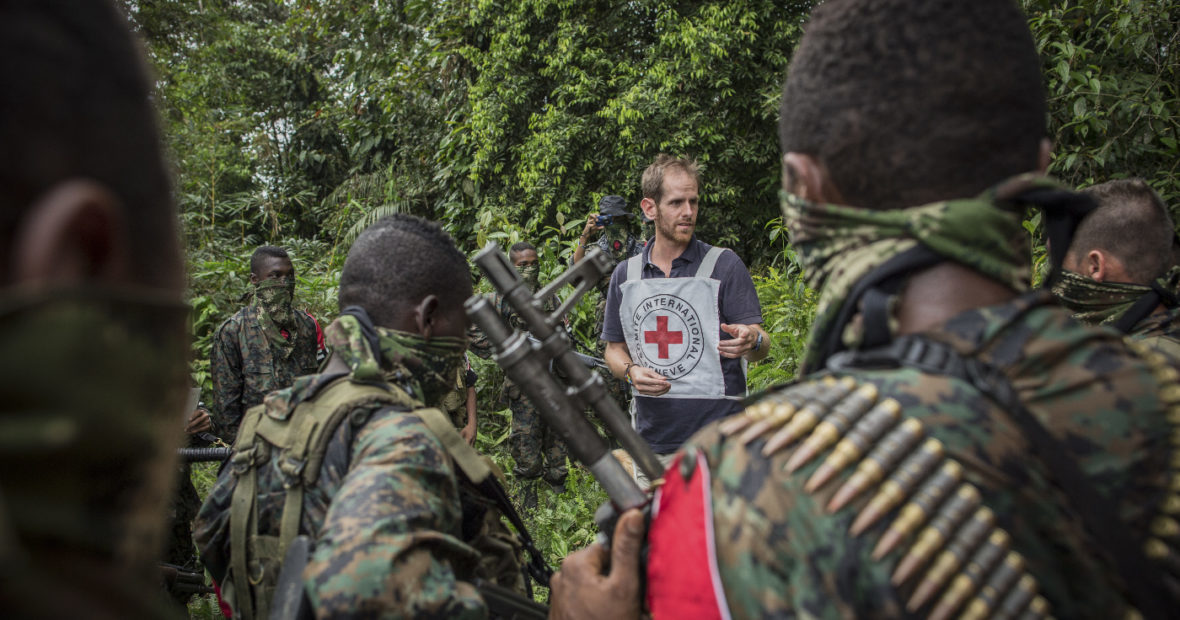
(682, 318)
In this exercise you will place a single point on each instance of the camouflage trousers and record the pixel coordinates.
(536, 448)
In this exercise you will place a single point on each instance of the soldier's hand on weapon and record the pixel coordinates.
(198, 422)
(580, 589)
(647, 381)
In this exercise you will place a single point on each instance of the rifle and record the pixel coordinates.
(526, 363)
(203, 455)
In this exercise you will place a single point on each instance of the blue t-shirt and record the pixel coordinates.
(665, 423)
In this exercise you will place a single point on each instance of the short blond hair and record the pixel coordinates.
(653, 178)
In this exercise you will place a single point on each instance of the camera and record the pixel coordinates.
(604, 220)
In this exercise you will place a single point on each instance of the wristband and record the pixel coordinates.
(627, 372)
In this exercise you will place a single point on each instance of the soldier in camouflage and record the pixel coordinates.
(400, 530)
(619, 244)
(460, 403)
(264, 346)
(537, 450)
(93, 325)
(1119, 268)
(960, 445)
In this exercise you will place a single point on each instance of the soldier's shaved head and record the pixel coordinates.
(906, 102)
(397, 262)
(1131, 223)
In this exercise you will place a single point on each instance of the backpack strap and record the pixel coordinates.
(466, 458)
(1144, 306)
(709, 262)
(242, 516)
(479, 470)
(635, 268)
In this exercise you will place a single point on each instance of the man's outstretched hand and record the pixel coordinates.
(581, 591)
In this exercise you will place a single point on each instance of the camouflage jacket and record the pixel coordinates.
(1160, 331)
(245, 367)
(398, 531)
(783, 542)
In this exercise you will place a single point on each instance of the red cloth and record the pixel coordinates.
(682, 576)
(225, 610)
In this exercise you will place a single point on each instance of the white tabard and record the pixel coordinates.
(672, 326)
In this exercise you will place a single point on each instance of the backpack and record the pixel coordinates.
(301, 436)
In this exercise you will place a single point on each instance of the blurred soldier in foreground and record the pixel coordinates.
(93, 333)
(264, 346)
(394, 499)
(1118, 267)
(960, 444)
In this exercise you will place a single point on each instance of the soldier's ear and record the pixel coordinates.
(807, 177)
(1044, 155)
(70, 235)
(425, 316)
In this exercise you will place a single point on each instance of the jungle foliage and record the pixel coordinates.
(299, 122)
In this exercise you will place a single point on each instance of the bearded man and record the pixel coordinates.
(682, 317)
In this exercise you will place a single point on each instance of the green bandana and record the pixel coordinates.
(93, 383)
(427, 367)
(529, 274)
(273, 298)
(1104, 303)
(840, 245)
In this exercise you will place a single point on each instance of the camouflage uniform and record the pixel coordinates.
(398, 531)
(1106, 303)
(251, 358)
(93, 388)
(887, 490)
(537, 449)
(619, 248)
(455, 401)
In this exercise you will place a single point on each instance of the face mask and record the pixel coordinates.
(1104, 303)
(274, 297)
(94, 383)
(403, 358)
(530, 274)
(839, 245)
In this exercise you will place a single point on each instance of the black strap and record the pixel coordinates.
(1061, 212)
(1146, 590)
(888, 278)
(536, 566)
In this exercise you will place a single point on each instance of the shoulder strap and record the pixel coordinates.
(477, 469)
(635, 268)
(887, 280)
(1144, 306)
(474, 466)
(1097, 513)
(709, 262)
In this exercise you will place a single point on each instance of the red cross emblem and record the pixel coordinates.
(661, 337)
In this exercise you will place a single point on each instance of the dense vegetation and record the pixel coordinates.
(298, 122)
